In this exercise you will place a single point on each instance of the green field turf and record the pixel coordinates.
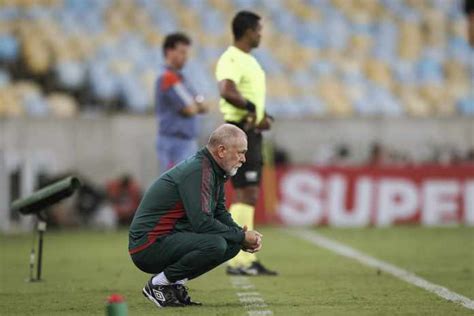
(82, 268)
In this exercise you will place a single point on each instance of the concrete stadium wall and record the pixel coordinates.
(303, 137)
(105, 147)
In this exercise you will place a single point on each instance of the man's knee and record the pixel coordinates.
(233, 250)
(217, 247)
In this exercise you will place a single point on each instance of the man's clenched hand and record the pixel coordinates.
(253, 240)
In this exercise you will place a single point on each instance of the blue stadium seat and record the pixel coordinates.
(70, 74)
(9, 48)
(4, 78)
(307, 46)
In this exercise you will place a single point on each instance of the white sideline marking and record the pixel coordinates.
(250, 299)
(240, 294)
(397, 272)
(256, 313)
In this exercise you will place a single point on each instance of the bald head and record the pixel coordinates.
(228, 145)
(225, 135)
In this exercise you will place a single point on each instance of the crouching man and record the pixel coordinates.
(182, 228)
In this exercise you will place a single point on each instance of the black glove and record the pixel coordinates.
(250, 106)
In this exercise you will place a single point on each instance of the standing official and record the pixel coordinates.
(177, 105)
(242, 90)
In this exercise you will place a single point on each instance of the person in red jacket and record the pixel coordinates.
(124, 194)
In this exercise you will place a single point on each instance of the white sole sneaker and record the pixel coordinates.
(151, 298)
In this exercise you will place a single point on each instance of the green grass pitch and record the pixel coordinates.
(81, 268)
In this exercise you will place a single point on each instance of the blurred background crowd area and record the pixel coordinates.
(323, 58)
(104, 206)
(378, 154)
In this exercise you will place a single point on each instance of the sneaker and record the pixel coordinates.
(256, 268)
(261, 270)
(238, 271)
(249, 271)
(161, 295)
(182, 295)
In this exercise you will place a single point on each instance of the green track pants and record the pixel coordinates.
(185, 255)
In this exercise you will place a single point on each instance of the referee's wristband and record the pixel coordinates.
(250, 106)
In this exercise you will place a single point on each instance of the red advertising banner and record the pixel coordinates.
(379, 196)
(429, 195)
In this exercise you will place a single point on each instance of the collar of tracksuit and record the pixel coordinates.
(215, 167)
(179, 72)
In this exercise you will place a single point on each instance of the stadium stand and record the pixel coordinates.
(322, 57)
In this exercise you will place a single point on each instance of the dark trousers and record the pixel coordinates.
(185, 255)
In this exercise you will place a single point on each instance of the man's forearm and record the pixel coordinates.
(235, 99)
(226, 219)
(216, 227)
(229, 92)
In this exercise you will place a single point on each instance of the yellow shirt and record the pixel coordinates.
(245, 71)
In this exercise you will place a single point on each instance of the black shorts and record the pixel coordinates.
(251, 171)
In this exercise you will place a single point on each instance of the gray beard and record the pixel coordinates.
(232, 172)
